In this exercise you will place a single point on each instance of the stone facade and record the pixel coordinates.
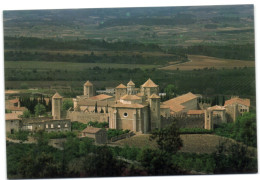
(98, 134)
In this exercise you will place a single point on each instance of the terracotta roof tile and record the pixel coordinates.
(130, 97)
(162, 106)
(101, 97)
(191, 112)
(176, 103)
(130, 83)
(216, 107)
(10, 116)
(149, 83)
(121, 86)
(88, 83)
(129, 105)
(14, 108)
(91, 130)
(237, 100)
(57, 96)
(14, 100)
(154, 96)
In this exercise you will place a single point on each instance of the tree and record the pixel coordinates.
(170, 91)
(168, 139)
(67, 104)
(245, 129)
(39, 109)
(26, 114)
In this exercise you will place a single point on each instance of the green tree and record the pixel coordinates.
(39, 110)
(26, 114)
(170, 91)
(67, 104)
(245, 129)
(168, 139)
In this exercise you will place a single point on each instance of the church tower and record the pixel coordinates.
(149, 88)
(131, 87)
(56, 106)
(155, 117)
(88, 89)
(120, 91)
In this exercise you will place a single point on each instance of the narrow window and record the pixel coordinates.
(46, 126)
(51, 125)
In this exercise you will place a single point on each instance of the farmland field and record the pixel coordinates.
(201, 62)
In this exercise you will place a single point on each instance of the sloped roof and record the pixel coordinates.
(154, 96)
(57, 96)
(128, 105)
(130, 83)
(139, 94)
(130, 97)
(216, 107)
(91, 130)
(237, 100)
(11, 116)
(162, 106)
(14, 100)
(149, 83)
(101, 97)
(121, 86)
(14, 108)
(194, 112)
(181, 99)
(175, 104)
(88, 83)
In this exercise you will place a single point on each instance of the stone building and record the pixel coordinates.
(49, 124)
(98, 134)
(232, 108)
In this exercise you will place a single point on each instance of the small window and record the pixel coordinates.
(58, 125)
(66, 125)
(51, 125)
(125, 114)
(46, 126)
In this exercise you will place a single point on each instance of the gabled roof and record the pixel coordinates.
(154, 96)
(121, 86)
(180, 99)
(91, 130)
(128, 105)
(149, 83)
(162, 106)
(130, 83)
(237, 100)
(57, 96)
(101, 97)
(175, 104)
(130, 97)
(216, 107)
(88, 83)
(195, 112)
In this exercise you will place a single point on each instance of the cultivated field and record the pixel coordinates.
(201, 62)
(192, 143)
(69, 66)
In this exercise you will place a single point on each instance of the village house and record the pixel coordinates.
(98, 134)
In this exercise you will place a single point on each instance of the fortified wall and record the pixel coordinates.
(85, 117)
(184, 121)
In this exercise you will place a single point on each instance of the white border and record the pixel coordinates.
(75, 4)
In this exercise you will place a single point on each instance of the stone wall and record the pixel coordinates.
(184, 121)
(85, 117)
